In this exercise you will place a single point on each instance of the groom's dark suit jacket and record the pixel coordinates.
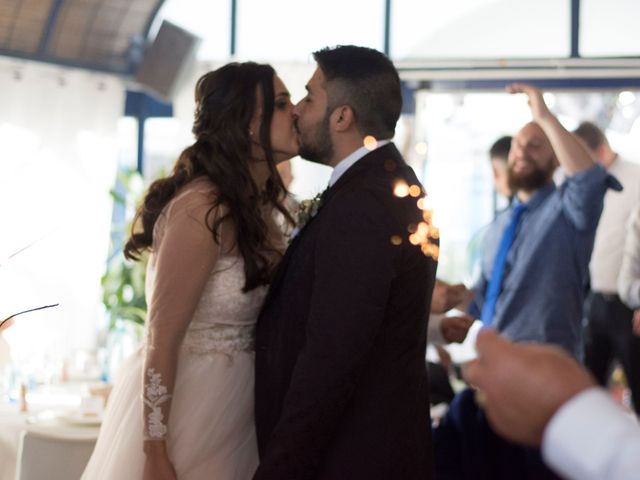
(341, 382)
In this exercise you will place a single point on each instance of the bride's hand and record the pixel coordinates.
(157, 465)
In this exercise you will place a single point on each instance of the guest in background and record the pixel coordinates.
(498, 156)
(608, 332)
(534, 394)
(629, 277)
(531, 289)
(537, 251)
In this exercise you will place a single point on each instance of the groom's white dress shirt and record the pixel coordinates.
(346, 163)
(591, 438)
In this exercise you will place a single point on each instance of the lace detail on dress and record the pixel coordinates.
(155, 394)
(220, 339)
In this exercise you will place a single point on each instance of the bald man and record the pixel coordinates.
(537, 252)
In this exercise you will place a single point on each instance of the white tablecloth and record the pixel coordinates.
(12, 423)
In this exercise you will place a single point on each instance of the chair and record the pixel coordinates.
(46, 456)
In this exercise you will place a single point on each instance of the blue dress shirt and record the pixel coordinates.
(546, 269)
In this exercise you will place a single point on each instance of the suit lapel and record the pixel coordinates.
(386, 153)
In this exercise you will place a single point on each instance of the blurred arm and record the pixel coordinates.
(591, 438)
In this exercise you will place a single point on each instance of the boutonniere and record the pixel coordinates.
(306, 211)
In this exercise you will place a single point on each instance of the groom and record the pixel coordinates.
(341, 384)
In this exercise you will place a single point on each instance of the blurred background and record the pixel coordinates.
(96, 101)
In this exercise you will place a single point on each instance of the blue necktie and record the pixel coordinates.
(499, 264)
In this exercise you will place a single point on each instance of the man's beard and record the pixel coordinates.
(318, 149)
(531, 181)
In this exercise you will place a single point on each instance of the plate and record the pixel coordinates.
(82, 419)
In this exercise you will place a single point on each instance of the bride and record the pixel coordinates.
(183, 405)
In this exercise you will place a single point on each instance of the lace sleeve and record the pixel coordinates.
(184, 256)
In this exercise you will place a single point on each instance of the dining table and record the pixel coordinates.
(63, 411)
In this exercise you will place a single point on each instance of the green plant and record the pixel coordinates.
(124, 281)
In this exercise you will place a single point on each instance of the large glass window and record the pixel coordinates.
(609, 28)
(291, 29)
(480, 29)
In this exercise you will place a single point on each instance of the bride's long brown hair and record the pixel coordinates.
(225, 104)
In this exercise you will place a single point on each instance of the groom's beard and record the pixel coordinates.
(316, 145)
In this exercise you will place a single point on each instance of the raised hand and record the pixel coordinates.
(539, 108)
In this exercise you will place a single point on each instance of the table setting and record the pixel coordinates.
(60, 399)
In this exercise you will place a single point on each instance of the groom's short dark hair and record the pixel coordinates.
(366, 80)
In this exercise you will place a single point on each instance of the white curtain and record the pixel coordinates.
(58, 160)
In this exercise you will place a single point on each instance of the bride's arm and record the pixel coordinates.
(185, 254)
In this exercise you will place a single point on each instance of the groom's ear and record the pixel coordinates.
(343, 118)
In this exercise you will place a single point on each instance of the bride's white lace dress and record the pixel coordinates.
(200, 398)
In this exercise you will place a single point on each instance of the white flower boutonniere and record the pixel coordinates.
(306, 211)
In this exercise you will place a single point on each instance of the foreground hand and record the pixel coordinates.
(6, 324)
(157, 465)
(522, 386)
(446, 296)
(539, 109)
(636, 323)
(455, 329)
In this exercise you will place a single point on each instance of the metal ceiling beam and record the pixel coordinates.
(234, 27)
(45, 41)
(65, 63)
(575, 28)
(387, 28)
(152, 17)
(577, 83)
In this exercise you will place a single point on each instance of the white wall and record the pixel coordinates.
(58, 156)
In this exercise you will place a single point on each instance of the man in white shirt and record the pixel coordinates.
(538, 395)
(608, 330)
(629, 276)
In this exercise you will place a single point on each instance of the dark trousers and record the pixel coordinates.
(609, 336)
(466, 448)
